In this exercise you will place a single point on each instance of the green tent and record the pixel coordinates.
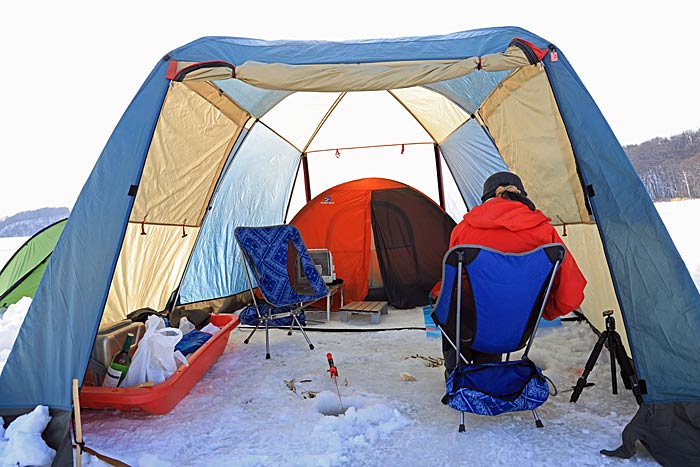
(21, 275)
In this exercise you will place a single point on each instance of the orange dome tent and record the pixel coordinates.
(387, 238)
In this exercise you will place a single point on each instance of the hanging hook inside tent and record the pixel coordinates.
(403, 148)
(143, 226)
(184, 234)
(337, 153)
(563, 234)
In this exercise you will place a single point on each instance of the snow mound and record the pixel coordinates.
(10, 322)
(21, 444)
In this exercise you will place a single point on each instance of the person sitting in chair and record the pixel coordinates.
(508, 221)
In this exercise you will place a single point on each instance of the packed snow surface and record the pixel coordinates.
(10, 322)
(243, 412)
(286, 411)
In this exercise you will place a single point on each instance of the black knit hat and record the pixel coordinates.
(505, 179)
(501, 179)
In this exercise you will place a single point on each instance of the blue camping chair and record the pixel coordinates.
(500, 298)
(271, 254)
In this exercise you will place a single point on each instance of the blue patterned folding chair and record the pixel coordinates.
(500, 298)
(270, 254)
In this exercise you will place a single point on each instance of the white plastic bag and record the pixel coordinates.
(154, 359)
(185, 325)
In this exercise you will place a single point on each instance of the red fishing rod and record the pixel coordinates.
(333, 371)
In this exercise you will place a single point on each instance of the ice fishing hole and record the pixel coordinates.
(329, 404)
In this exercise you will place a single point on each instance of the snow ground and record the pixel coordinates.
(682, 220)
(242, 412)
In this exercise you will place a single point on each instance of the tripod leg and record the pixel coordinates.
(613, 371)
(629, 375)
(589, 366)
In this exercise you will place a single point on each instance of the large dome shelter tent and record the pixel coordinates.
(387, 239)
(193, 157)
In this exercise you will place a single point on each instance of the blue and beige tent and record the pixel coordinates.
(231, 131)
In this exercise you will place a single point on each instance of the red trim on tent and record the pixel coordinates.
(540, 53)
(172, 69)
(180, 75)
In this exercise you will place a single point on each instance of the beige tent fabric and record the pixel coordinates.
(583, 240)
(189, 148)
(298, 116)
(522, 116)
(149, 268)
(219, 100)
(370, 118)
(436, 113)
(370, 76)
(511, 59)
(350, 77)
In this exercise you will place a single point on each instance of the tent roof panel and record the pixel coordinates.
(254, 100)
(189, 147)
(471, 90)
(454, 46)
(368, 118)
(297, 117)
(523, 118)
(438, 115)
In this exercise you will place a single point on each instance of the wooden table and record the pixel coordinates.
(374, 309)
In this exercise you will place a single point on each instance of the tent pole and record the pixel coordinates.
(78, 426)
(438, 169)
(307, 183)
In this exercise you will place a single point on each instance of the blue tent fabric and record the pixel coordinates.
(469, 91)
(654, 289)
(265, 162)
(66, 311)
(472, 158)
(237, 50)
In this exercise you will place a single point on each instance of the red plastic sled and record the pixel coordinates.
(161, 398)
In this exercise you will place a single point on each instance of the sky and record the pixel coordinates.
(71, 68)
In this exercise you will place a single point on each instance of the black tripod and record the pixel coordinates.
(617, 352)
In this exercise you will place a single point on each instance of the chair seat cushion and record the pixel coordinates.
(495, 388)
(249, 316)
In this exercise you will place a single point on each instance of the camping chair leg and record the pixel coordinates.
(247, 339)
(267, 339)
(461, 425)
(308, 341)
(538, 422)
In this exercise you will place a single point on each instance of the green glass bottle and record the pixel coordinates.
(119, 365)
